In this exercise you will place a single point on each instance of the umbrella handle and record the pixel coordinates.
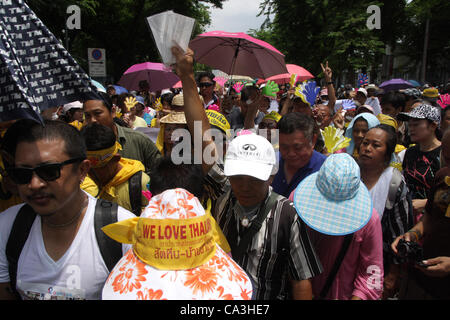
(236, 52)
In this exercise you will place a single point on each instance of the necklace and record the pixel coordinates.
(72, 220)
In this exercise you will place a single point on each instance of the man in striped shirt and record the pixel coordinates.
(277, 255)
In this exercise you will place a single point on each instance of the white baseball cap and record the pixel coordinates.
(363, 91)
(250, 155)
(72, 105)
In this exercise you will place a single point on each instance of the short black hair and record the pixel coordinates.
(9, 140)
(105, 98)
(396, 99)
(51, 130)
(391, 141)
(247, 92)
(167, 97)
(166, 175)
(206, 74)
(98, 137)
(297, 121)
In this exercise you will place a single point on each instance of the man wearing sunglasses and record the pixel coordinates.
(206, 84)
(60, 258)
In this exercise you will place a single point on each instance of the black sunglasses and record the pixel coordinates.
(205, 84)
(47, 172)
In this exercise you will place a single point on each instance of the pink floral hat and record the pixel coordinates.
(179, 253)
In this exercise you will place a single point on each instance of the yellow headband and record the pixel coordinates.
(100, 158)
(168, 244)
(273, 115)
(385, 119)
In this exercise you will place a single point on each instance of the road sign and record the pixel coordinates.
(97, 62)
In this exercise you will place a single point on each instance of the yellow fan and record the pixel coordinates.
(158, 105)
(130, 102)
(293, 80)
(334, 139)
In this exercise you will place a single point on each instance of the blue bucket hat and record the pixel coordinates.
(372, 121)
(334, 200)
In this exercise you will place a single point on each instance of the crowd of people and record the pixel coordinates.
(94, 208)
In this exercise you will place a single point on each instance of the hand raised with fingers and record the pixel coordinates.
(270, 89)
(327, 72)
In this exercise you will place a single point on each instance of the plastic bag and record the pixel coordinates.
(170, 29)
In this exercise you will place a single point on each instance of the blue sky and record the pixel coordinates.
(236, 16)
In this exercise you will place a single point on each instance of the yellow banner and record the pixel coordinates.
(168, 244)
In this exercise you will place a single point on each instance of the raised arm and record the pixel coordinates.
(328, 75)
(193, 107)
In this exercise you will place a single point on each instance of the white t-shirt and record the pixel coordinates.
(79, 274)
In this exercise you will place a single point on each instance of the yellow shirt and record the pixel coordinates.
(139, 122)
(117, 189)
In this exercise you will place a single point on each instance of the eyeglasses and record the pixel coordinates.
(47, 172)
(205, 84)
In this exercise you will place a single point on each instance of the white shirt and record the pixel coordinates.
(79, 274)
(380, 190)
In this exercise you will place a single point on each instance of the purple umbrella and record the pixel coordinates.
(395, 84)
(157, 75)
(238, 53)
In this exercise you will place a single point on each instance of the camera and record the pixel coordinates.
(411, 251)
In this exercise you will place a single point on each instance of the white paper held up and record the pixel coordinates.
(170, 29)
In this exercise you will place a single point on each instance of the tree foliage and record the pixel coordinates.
(119, 26)
(309, 32)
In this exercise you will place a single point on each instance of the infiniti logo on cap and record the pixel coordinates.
(248, 147)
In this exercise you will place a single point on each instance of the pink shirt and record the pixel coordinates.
(361, 272)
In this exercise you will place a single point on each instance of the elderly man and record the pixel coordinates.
(53, 240)
(135, 145)
(267, 238)
(298, 157)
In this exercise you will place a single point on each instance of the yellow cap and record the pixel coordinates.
(217, 119)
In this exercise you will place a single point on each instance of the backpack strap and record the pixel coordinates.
(19, 234)
(396, 180)
(337, 264)
(135, 193)
(256, 224)
(106, 213)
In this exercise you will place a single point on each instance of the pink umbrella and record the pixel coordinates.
(157, 75)
(177, 85)
(301, 72)
(238, 53)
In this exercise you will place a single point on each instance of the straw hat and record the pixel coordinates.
(178, 100)
(175, 255)
(174, 117)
